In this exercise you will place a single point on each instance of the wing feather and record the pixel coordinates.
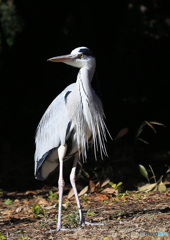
(53, 126)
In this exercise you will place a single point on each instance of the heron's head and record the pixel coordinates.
(79, 57)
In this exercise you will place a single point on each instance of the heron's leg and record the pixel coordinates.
(61, 153)
(73, 183)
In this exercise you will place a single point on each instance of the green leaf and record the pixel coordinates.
(37, 209)
(120, 183)
(113, 185)
(127, 192)
(120, 195)
(8, 201)
(89, 213)
(2, 236)
(52, 195)
(143, 171)
(137, 195)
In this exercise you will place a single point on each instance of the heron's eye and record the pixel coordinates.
(82, 55)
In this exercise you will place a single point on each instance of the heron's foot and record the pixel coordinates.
(91, 224)
(62, 229)
(82, 223)
(59, 229)
(96, 223)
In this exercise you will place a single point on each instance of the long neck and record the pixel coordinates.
(88, 72)
(83, 83)
(82, 91)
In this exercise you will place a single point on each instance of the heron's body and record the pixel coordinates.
(73, 118)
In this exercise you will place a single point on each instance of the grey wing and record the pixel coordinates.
(53, 127)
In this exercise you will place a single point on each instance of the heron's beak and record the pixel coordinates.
(64, 58)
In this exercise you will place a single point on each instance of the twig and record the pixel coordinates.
(153, 173)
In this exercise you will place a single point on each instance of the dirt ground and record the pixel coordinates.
(31, 215)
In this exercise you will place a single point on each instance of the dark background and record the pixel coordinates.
(131, 42)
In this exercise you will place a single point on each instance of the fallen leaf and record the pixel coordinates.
(20, 194)
(83, 191)
(19, 209)
(163, 216)
(109, 190)
(70, 194)
(33, 192)
(50, 237)
(26, 208)
(156, 123)
(92, 186)
(11, 193)
(147, 187)
(121, 133)
(43, 202)
(161, 187)
(98, 219)
(79, 232)
(50, 207)
(116, 199)
(102, 197)
(105, 182)
(124, 198)
(150, 125)
(17, 216)
(98, 186)
(46, 187)
(67, 238)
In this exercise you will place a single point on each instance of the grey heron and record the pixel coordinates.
(72, 122)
